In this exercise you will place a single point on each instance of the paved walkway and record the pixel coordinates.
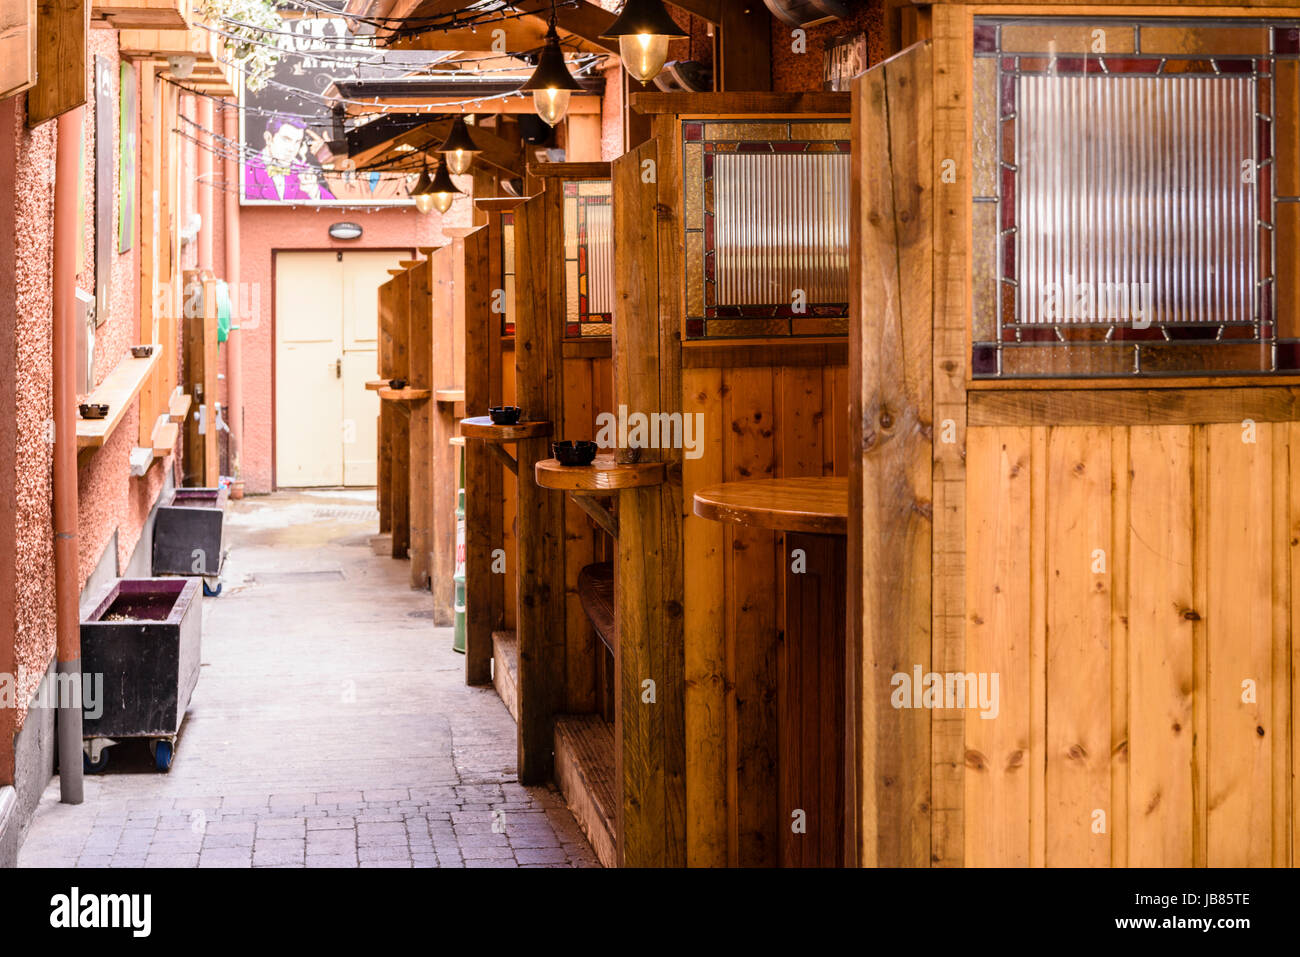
(331, 727)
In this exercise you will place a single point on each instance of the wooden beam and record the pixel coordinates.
(582, 20)
(744, 46)
(17, 46)
(425, 140)
(580, 103)
(62, 59)
(723, 104)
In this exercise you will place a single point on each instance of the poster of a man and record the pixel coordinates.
(283, 170)
(290, 137)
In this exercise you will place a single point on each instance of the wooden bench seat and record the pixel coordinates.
(596, 589)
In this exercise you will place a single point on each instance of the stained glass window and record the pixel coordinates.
(588, 258)
(766, 227)
(1134, 183)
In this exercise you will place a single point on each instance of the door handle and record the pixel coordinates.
(338, 368)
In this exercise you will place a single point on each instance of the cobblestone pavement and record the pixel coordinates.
(331, 727)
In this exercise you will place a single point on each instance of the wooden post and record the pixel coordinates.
(540, 617)
(484, 590)
(399, 475)
(890, 500)
(384, 440)
(649, 732)
(422, 479)
(62, 59)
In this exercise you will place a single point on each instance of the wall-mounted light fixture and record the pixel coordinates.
(345, 231)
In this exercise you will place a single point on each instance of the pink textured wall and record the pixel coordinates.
(262, 231)
(29, 213)
(109, 499)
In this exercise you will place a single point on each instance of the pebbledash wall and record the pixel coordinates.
(113, 508)
(266, 230)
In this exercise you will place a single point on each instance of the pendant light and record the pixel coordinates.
(422, 193)
(442, 189)
(551, 83)
(643, 30)
(458, 151)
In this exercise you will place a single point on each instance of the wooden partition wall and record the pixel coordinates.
(422, 318)
(1120, 553)
(699, 603)
(490, 489)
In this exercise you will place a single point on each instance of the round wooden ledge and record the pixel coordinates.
(818, 505)
(482, 427)
(374, 385)
(602, 475)
(457, 440)
(404, 395)
(449, 396)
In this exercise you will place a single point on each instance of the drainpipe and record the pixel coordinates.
(234, 340)
(204, 183)
(66, 597)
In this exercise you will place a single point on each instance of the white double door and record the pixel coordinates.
(326, 341)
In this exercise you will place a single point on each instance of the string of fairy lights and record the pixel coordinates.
(643, 30)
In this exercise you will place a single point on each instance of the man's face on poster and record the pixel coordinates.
(284, 144)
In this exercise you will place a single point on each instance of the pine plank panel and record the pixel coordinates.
(387, 291)
(891, 495)
(1280, 686)
(1160, 578)
(751, 624)
(996, 798)
(1117, 818)
(800, 422)
(62, 60)
(1039, 503)
(1239, 647)
(1078, 646)
(705, 634)
(581, 644)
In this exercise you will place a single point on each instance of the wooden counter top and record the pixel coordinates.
(602, 475)
(482, 427)
(119, 389)
(449, 396)
(404, 395)
(374, 385)
(819, 505)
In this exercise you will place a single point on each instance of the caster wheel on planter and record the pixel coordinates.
(94, 767)
(209, 591)
(162, 755)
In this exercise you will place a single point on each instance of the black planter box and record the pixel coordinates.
(187, 533)
(143, 636)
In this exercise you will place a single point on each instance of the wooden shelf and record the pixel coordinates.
(164, 439)
(482, 427)
(119, 389)
(170, 15)
(505, 670)
(457, 440)
(449, 395)
(404, 395)
(602, 475)
(178, 406)
(374, 385)
(818, 505)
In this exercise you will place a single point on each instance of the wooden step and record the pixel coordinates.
(584, 770)
(505, 670)
(596, 590)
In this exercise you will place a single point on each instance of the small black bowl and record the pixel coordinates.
(574, 453)
(142, 352)
(397, 384)
(505, 414)
(93, 410)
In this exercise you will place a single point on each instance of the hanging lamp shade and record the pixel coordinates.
(442, 189)
(643, 30)
(458, 151)
(551, 83)
(422, 192)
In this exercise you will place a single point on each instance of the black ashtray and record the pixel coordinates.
(93, 410)
(505, 414)
(142, 352)
(397, 384)
(574, 453)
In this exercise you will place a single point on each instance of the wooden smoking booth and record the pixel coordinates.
(1074, 505)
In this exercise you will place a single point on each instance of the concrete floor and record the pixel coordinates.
(331, 726)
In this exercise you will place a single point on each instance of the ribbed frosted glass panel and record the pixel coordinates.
(1130, 201)
(782, 223)
(600, 264)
